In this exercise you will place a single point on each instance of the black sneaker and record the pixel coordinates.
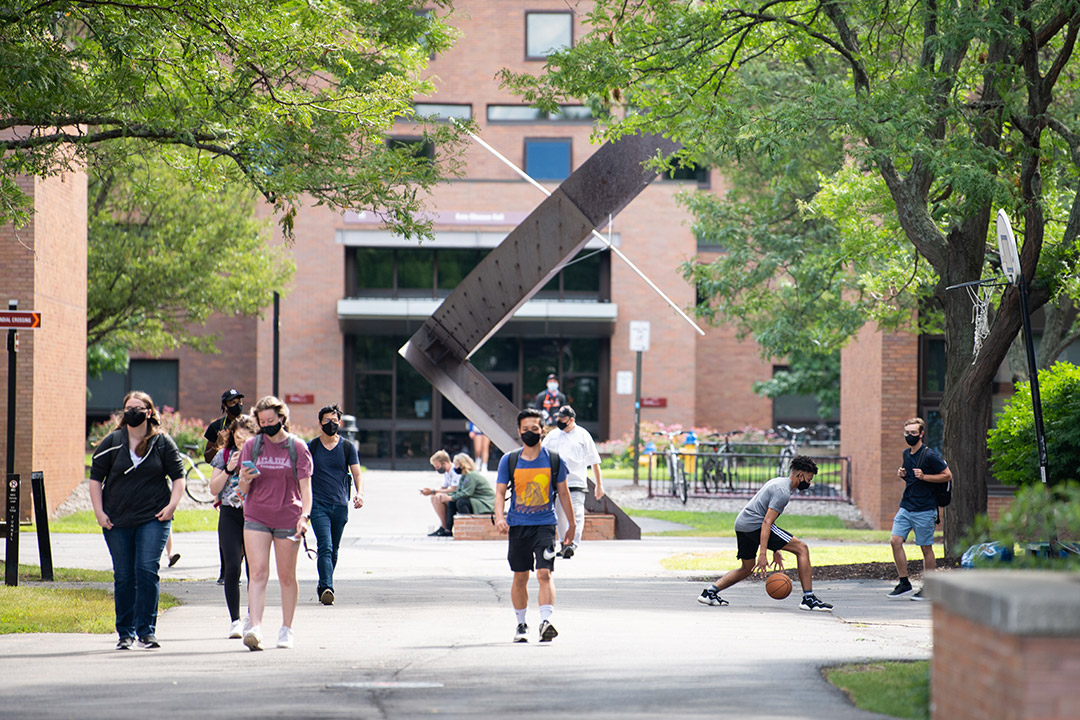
(522, 633)
(547, 632)
(811, 602)
(568, 552)
(902, 590)
(441, 532)
(125, 643)
(326, 597)
(173, 559)
(149, 642)
(709, 596)
(919, 596)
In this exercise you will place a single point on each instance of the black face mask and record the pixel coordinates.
(235, 410)
(912, 440)
(134, 417)
(271, 430)
(803, 485)
(562, 424)
(330, 428)
(530, 438)
(457, 470)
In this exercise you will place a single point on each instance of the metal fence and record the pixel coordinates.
(741, 474)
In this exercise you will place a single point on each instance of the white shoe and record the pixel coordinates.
(247, 624)
(236, 630)
(253, 639)
(285, 637)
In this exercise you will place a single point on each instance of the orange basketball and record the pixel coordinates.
(778, 585)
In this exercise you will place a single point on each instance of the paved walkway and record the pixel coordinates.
(422, 626)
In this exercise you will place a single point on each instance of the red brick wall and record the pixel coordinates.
(45, 269)
(978, 673)
(879, 392)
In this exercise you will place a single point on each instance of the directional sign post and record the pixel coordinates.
(13, 320)
(639, 343)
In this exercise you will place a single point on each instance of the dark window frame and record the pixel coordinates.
(525, 33)
(542, 117)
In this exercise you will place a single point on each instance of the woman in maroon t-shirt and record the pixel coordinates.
(277, 506)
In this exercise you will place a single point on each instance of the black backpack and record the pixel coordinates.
(942, 491)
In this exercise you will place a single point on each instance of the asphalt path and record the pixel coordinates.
(423, 626)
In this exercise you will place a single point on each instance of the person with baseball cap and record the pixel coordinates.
(232, 407)
(575, 446)
(549, 400)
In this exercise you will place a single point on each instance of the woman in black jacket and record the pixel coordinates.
(134, 505)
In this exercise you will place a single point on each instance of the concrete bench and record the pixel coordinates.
(598, 526)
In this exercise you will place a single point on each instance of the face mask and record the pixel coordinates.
(235, 410)
(562, 424)
(803, 485)
(912, 440)
(330, 428)
(134, 417)
(553, 386)
(530, 438)
(271, 430)
(457, 470)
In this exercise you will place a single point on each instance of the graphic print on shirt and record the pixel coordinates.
(532, 489)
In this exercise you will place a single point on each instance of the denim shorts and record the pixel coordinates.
(921, 522)
(282, 533)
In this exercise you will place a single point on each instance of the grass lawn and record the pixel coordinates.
(85, 522)
(820, 556)
(898, 689)
(706, 524)
(46, 607)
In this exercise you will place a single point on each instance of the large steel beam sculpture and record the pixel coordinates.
(513, 272)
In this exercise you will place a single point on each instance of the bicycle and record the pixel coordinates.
(679, 484)
(720, 466)
(790, 449)
(196, 482)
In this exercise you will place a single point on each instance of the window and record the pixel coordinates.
(547, 158)
(546, 32)
(160, 379)
(526, 113)
(689, 173)
(416, 271)
(418, 147)
(442, 111)
(454, 265)
(374, 270)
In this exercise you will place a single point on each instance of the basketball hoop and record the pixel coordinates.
(980, 314)
(1010, 259)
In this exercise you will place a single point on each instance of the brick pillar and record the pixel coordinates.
(1006, 645)
(44, 268)
(878, 392)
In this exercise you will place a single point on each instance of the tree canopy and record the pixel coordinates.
(294, 98)
(165, 253)
(943, 113)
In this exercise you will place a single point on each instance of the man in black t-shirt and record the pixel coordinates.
(549, 400)
(918, 507)
(232, 406)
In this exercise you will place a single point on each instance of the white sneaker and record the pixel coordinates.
(236, 630)
(253, 639)
(247, 624)
(285, 637)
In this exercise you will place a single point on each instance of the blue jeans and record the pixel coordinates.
(136, 552)
(328, 522)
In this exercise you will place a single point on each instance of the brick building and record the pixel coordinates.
(43, 266)
(360, 292)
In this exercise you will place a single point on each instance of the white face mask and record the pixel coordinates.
(553, 386)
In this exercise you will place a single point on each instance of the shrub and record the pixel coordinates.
(1037, 515)
(1012, 443)
(185, 431)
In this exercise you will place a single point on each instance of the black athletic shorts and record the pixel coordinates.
(531, 546)
(749, 542)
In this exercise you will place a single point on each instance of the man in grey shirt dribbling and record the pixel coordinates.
(757, 533)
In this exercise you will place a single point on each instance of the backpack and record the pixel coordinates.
(556, 466)
(942, 491)
(256, 450)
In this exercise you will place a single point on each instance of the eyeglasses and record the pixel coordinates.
(310, 553)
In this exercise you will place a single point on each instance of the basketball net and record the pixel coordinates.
(980, 315)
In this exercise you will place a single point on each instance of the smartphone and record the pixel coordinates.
(251, 466)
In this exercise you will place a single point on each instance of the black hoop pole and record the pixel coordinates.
(1033, 375)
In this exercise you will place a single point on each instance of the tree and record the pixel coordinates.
(164, 254)
(295, 98)
(946, 112)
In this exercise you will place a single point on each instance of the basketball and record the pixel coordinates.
(778, 585)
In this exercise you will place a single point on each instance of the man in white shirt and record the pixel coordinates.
(575, 446)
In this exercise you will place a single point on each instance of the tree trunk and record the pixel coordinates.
(965, 409)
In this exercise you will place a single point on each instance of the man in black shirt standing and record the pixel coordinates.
(232, 406)
(549, 400)
(918, 507)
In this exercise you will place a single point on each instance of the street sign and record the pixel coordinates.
(19, 320)
(654, 402)
(624, 382)
(639, 336)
